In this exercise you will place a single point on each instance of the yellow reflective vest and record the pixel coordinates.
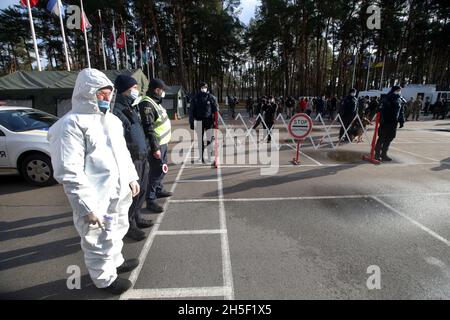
(163, 128)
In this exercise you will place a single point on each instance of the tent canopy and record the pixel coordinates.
(45, 88)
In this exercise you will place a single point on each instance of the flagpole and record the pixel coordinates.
(134, 53)
(368, 71)
(354, 68)
(115, 45)
(63, 35)
(126, 47)
(140, 50)
(103, 40)
(382, 73)
(148, 60)
(153, 64)
(83, 21)
(36, 51)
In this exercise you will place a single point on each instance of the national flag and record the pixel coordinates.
(85, 23)
(121, 41)
(33, 3)
(54, 6)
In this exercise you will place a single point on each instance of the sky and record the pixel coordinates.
(248, 8)
(7, 3)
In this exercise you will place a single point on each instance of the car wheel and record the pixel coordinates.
(37, 170)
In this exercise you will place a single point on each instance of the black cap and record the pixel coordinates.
(352, 90)
(395, 88)
(124, 82)
(203, 84)
(157, 84)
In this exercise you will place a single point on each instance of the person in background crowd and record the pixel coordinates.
(391, 115)
(348, 112)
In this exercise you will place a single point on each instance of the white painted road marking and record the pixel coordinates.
(176, 293)
(418, 224)
(311, 198)
(226, 260)
(189, 232)
(414, 154)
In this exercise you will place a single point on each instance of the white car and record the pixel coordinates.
(23, 143)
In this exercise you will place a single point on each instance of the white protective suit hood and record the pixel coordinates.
(89, 81)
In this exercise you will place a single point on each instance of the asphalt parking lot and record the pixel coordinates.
(308, 232)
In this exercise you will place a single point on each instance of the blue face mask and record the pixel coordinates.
(105, 105)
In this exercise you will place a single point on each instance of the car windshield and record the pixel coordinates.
(26, 119)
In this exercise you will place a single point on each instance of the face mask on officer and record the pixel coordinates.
(134, 93)
(205, 90)
(398, 92)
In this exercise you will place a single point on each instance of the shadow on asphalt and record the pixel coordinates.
(57, 290)
(14, 183)
(10, 225)
(279, 180)
(30, 232)
(445, 165)
(43, 252)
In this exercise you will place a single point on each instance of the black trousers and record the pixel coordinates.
(207, 124)
(257, 123)
(156, 175)
(386, 134)
(347, 122)
(268, 127)
(134, 213)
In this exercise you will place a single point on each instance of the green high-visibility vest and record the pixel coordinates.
(163, 128)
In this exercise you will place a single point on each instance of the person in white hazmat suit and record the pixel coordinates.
(91, 160)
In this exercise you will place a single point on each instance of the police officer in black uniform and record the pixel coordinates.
(127, 92)
(348, 111)
(258, 110)
(391, 115)
(203, 108)
(270, 110)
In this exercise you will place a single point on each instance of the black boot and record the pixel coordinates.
(143, 224)
(164, 194)
(119, 286)
(128, 265)
(135, 234)
(385, 158)
(154, 207)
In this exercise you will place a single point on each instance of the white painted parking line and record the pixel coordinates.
(148, 243)
(313, 160)
(226, 260)
(190, 232)
(311, 198)
(206, 180)
(416, 223)
(414, 154)
(384, 165)
(176, 293)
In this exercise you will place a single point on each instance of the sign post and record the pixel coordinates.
(299, 128)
